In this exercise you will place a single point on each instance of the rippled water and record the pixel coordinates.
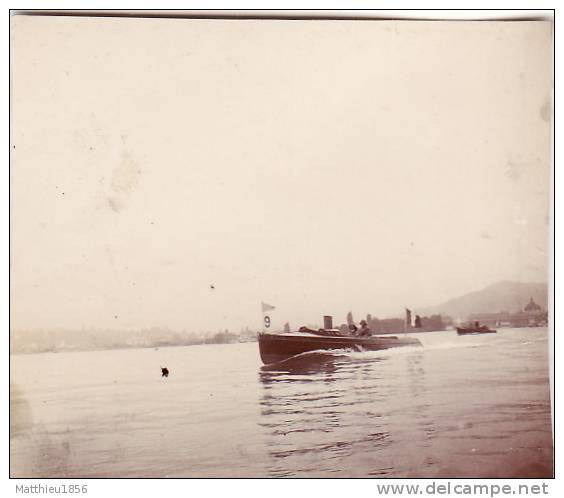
(474, 406)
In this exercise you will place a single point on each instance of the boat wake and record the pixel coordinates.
(321, 359)
(407, 350)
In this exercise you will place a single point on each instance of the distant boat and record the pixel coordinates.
(279, 347)
(477, 329)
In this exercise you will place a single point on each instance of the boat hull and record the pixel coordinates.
(279, 347)
(470, 331)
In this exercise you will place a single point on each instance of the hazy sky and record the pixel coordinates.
(319, 166)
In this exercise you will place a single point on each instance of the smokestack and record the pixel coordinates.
(407, 319)
(327, 322)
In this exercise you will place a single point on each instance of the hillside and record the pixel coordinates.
(501, 296)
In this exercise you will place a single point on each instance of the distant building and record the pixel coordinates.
(532, 306)
(532, 315)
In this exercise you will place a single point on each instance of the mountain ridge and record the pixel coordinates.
(505, 295)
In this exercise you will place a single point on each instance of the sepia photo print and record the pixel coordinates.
(280, 247)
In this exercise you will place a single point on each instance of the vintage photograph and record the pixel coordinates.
(252, 247)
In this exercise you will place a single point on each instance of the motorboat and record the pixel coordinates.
(279, 347)
(476, 329)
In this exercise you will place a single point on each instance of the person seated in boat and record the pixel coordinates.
(353, 329)
(364, 329)
(307, 330)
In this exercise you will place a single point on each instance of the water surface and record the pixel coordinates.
(473, 406)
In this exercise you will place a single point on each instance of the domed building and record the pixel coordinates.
(534, 315)
(532, 306)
